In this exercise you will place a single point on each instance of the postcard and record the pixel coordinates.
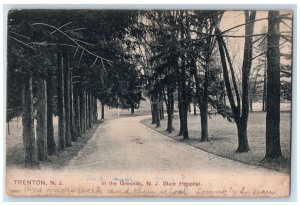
(148, 103)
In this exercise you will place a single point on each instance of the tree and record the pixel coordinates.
(51, 145)
(205, 22)
(28, 122)
(67, 102)
(41, 51)
(60, 101)
(41, 127)
(273, 149)
(240, 112)
(130, 89)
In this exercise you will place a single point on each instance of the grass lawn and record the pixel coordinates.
(15, 152)
(223, 138)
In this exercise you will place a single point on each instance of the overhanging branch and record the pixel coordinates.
(23, 43)
(75, 41)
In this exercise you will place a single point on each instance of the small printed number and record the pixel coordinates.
(15, 191)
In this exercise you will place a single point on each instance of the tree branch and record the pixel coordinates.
(231, 36)
(51, 44)
(25, 37)
(288, 26)
(266, 51)
(84, 42)
(23, 43)
(73, 40)
(94, 62)
(250, 22)
(61, 27)
(226, 75)
(232, 75)
(256, 40)
(71, 30)
(287, 38)
(75, 52)
(103, 65)
(81, 56)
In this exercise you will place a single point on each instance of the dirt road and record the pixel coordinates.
(126, 144)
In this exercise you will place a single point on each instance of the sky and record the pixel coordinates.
(236, 45)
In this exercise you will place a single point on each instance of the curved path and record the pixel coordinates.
(125, 149)
(126, 144)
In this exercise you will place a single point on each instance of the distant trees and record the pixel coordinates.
(178, 49)
(258, 75)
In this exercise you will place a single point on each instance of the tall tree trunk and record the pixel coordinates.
(240, 113)
(204, 121)
(157, 114)
(184, 107)
(60, 101)
(28, 123)
(41, 124)
(223, 92)
(67, 100)
(251, 105)
(72, 108)
(90, 109)
(162, 111)
(156, 108)
(96, 105)
(247, 62)
(243, 145)
(96, 108)
(242, 129)
(153, 113)
(51, 146)
(273, 149)
(82, 110)
(93, 109)
(180, 112)
(264, 90)
(8, 129)
(204, 99)
(170, 109)
(87, 110)
(77, 126)
(184, 93)
(102, 110)
(185, 132)
(195, 108)
(202, 105)
(132, 109)
(160, 105)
